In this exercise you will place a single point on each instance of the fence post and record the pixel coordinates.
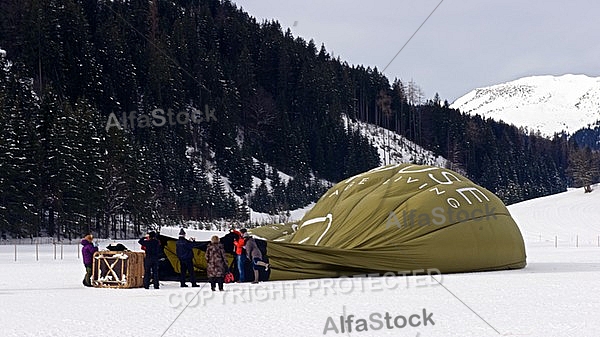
(54, 250)
(555, 241)
(61, 250)
(577, 241)
(15, 252)
(37, 255)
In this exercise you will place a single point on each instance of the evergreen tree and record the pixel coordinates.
(19, 152)
(279, 102)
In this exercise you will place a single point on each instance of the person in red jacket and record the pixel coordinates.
(240, 255)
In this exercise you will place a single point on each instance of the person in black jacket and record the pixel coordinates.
(152, 248)
(185, 253)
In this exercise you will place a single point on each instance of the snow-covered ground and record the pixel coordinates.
(555, 295)
(571, 218)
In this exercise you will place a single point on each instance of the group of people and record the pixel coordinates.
(245, 247)
(149, 243)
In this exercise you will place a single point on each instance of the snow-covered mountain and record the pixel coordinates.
(392, 148)
(546, 103)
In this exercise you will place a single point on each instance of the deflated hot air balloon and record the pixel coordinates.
(396, 218)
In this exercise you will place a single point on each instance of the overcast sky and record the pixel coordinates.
(464, 45)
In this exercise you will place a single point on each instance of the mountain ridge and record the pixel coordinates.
(545, 103)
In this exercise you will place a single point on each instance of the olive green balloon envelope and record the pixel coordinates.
(397, 218)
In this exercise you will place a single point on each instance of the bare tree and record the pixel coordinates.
(415, 97)
(583, 168)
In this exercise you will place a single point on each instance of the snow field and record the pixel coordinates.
(555, 295)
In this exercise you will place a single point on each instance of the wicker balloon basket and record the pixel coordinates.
(118, 269)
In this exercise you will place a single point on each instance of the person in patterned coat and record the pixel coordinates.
(216, 263)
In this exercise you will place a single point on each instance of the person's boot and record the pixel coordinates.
(255, 277)
(264, 264)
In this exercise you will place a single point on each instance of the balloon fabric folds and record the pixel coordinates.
(393, 219)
